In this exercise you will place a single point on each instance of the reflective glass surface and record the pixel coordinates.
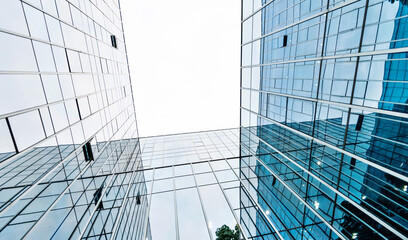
(70, 158)
(323, 120)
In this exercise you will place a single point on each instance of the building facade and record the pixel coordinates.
(324, 119)
(69, 152)
(192, 182)
(72, 165)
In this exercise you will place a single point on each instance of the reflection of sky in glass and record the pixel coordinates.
(218, 211)
(18, 92)
(190, 215)
(198, 200)
(350, 101)
(162, 216)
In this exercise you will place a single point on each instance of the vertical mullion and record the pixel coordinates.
(12, 135)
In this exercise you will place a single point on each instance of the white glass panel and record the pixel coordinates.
(12, 17)
(60, 59)
(52, 88)
(20, 92)
(162, 217)
(44, 57)
(59, 116)
(74, 62)
(66, 86)
(191, 220)
(27, 129)
(36, 23)
(49, 6)
(54, 30)
(247, 31)
(257, 25)
(19, 52)
(246, 7)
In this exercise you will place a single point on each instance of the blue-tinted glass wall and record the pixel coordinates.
(63, 83)
(323, 114)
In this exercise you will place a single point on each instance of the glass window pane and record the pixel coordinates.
(27, 129)
(74, 38)
(163, 185)
(46, 118)
(74, 63)
(247, 31)
(257, 18)
(19, 52)
(246, 77)
(216, 207)
(54, 30)
(84, 107)
(205, 178)
(44, 57)
(49, 6)
(12, 17)
(86, 66)
(52, 88)
(63, 10)
(246, 55)
(162, 217)
(83, 84)
(72, 111)
(246, 8)
(66, 86)
(60, 59)
(36, 22)
(184, 182)
(191, 220)
(59, 117)
(182, 170)
(20, 92)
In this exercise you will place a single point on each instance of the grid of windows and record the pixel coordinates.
(69, 152)
(324, 118)
(192, 183)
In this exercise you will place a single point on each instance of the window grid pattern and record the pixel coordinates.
(63, 85)
(324, 118)
(192, 182)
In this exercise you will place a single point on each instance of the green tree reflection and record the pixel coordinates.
(225, 233)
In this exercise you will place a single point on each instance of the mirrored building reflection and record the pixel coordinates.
(323, 119)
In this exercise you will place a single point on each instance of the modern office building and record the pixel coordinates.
(324, 114)
(69, 152)
(322, 151)
(71, 163)
(192, 183)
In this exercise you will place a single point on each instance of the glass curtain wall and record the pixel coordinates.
(69, 148)
(324, 109)
(192, 184)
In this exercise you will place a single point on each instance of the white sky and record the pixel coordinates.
(184, 62)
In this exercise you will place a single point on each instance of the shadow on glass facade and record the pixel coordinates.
(324, 119)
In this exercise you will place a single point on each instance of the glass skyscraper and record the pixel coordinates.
(322, 151)
(72, 165)
(192, 183)
(324, 109)
(69, 148)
